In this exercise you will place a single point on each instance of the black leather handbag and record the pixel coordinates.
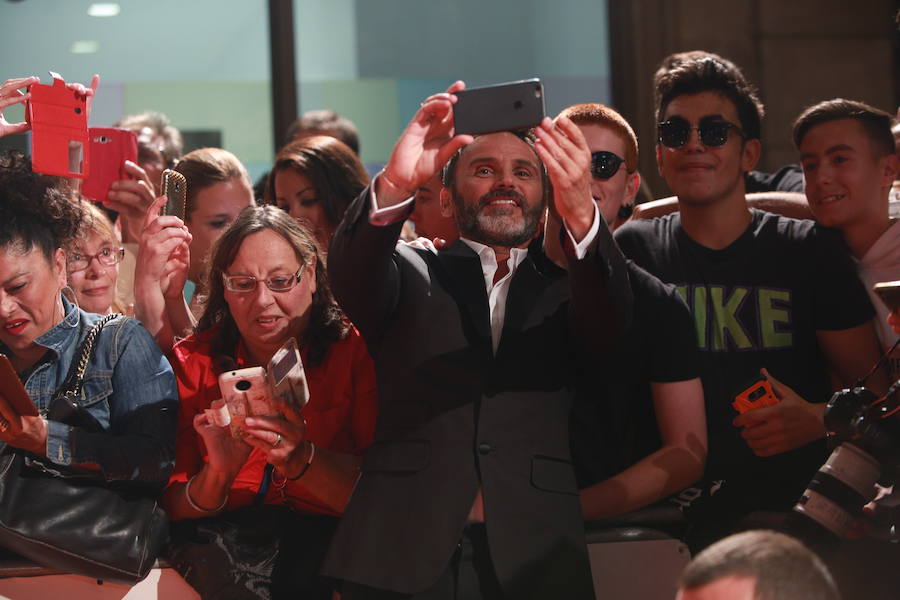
(69, 521)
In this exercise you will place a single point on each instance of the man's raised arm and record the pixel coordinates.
(360, 265)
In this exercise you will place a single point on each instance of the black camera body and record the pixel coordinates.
(866, 431)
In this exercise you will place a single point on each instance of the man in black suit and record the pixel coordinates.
(468, 490)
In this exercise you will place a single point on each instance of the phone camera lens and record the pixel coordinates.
(243, 385)
(517, 104)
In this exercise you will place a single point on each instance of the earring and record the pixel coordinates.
(69, 294)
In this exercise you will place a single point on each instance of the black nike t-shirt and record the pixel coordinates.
(757, 303)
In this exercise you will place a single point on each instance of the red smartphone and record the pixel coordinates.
(13, 391)
(758, 394)
(110, 147)
(59, 131)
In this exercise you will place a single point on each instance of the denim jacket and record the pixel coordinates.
(129, 388)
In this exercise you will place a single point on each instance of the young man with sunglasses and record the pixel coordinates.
(767, 293)
(648, 439)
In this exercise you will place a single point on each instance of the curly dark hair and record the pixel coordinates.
(327, 324)
(35, 210)
(695, 72)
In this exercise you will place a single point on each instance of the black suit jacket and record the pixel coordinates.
(454, 417)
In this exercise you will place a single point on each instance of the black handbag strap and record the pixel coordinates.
(75, 379)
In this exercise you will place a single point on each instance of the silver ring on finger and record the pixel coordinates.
(277, 441)
(4, 425)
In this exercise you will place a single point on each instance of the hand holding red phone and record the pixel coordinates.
(791, 423)
(10, 94)
(131, 198)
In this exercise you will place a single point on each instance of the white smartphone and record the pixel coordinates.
(246, 393)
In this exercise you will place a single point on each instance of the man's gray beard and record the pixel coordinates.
(477, 227)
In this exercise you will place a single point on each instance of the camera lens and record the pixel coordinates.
(243, 385)
(840, 489)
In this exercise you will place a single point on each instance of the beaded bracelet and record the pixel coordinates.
(197, 507)
(312, 453)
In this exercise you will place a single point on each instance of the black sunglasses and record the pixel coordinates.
(605, 164)
(713, 131)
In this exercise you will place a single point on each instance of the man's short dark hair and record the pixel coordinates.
(876, 123)
(782, 567)
(324, 122)
(695, 72)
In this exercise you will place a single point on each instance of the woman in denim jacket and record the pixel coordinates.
(129, 387)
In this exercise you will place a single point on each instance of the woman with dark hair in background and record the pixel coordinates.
(267, 286)
(315, 179)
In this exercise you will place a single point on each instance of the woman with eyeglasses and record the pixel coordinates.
(267, 285)
(129, 390)
(92, 263)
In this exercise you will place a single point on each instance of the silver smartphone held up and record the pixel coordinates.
(286, 376)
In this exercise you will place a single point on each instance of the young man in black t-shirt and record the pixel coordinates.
(638, 430)
(766, 292)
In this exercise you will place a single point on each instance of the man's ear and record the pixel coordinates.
(750, 155)
(890, 166)
(446, 204)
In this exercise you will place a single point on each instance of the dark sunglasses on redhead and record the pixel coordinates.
(713, 130)
(605, 164)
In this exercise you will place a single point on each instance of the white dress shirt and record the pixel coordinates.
(496, 292)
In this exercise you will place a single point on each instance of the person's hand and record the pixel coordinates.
(791, 423)
(425, 146)
(565, 154)
(131, 198)
(10, 94)
(423, 243)
(163, 253)
(227, 454)
(281, 438)
(22, 431)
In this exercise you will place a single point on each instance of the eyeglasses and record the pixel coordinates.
(76, 261)
(713, 132)
(605, 164)
(244, 284)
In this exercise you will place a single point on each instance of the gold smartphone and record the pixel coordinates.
(174, 186)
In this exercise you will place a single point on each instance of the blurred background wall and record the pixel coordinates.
(206, 63)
